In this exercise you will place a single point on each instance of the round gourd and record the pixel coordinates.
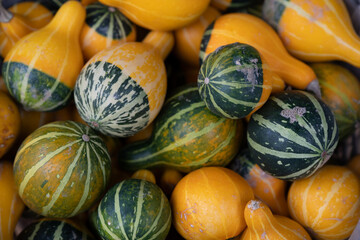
(292, 135)
(145, 175)
(104, 27)
(327, 204)
(133, 209)
(209, 203)
(234, 81)
(61, 169)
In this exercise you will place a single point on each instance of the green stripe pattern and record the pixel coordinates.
(61, 169)
(133, 209)
(186, 136)
(292, 135)
(230, 80)
(205, 41)
(52, 230)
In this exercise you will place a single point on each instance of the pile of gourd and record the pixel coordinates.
(195, 119)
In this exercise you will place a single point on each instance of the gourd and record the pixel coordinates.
(209, 203)
(168, 180)
(340, 90)
(262, 224)
(121, 89)
(145, 175)
(327, 204)
(10, 123)
(186, 136)
(268, 189)
(41, 69)
(20, 20)
(231, 5)
(61, 169)
(160, 15)
(133, 209)
(354, 164)
(292, 135)
(104, 27)
(11, 206)
(141, 135)
(315, 30)
(251, 30)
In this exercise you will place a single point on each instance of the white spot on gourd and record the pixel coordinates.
(293, 114)
(206, 80)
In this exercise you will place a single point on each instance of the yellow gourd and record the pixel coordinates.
(145, 175)
(315, 30)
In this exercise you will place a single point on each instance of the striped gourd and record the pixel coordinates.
(121, 89)
(51, 229)
(234, 81)
(327, 203)
(104, 27)
(292, 135)
(133, 209)
(41, 69)
(340, 90)
(186, 136)
(315, 30)
(61, 169)
(231, 5)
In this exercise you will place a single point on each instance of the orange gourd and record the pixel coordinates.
(315, 30)
(168, 180)
(209, 203)
(327, 203)
(145, 175)
(11, 205)
(161, 15)
(262, 224)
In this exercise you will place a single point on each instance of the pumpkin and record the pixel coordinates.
(10, 123)
(44, 82)
(262, 224)
(209, 203)
(292, 135)
(121, 89)
(145, 175)
(327, 204)
(61, 169)
(11, 206)
(186, 136)
(133, 209)
(248, 29)
(315, 30)
(160, 15)
(104, 27)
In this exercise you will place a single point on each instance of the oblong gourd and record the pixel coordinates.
(249, 29)
(262, 224)
(186, 136)
(292, 135)
(121, 89)
(315, 30)
(104, 27)
(160, 15)
(41, 69)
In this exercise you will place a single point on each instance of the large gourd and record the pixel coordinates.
(315, 30)
(41, 69)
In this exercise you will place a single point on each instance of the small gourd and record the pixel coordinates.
(168, 180)
(262, 224)
(144, 174)
(41, 69)
(315, 30)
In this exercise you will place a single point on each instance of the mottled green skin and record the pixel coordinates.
(230, 80)
(52, 230)
(272, 11)
(186, 136)
(133, 209)
(38, 87)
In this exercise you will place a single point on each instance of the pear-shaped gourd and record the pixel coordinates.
(161, 15)
(315, 30)
(41, 69)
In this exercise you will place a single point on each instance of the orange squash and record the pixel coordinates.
(315, 30)
(168, 180)
(209, 203)
(262, 224)
(11, 205)
(327, 203)
(145, 175)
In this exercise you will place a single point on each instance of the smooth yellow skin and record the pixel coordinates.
(162, 15)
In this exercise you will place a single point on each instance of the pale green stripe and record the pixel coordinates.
(138, 209)
(118, 211)
(50, 125)
(104, 226)
(110, 32)
(57, 234)
(122, 30)
(98, 23)
(31, 172)
(217, 60)
(214, 103)
(58, 104)
(164, 227)
(154, 225)
(76, 125)
(63, 182)
(183, 92)
(96, 12)
(102, 148)
(235, 69)
(100, 163)
(236, 85)
(37, 228)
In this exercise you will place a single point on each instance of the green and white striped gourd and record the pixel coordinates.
(292, 135)
(186, 136)
(133, 209)
(61, 169)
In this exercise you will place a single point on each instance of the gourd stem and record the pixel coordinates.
(5, 15)
(314, 87)
(162, 41)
